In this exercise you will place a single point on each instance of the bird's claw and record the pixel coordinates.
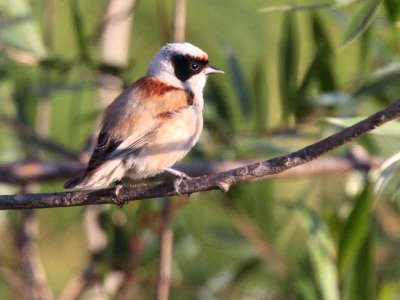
(223, 186)
(120, 202)
(178, 181)
(180, 176)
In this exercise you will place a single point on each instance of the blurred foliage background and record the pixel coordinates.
(295, 72)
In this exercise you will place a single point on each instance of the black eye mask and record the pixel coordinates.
(185, 66)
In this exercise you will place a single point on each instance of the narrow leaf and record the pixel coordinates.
(359, 281)
(365, 48)
(260, 96)
(239, 83)
(215, 97)
(322, 252)
(19, 29)
(355, 230)
(306, 289)
(304, 108)
(81, 36)
(289, 65)
(393, 11)
(380, 80)
(286, 8)
(360, 21)
(323, 45)
(306, 7)
(386, 172)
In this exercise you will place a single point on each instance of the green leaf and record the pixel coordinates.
(393, 11)
(308, 77)
(380, 80)
(388, 290)
(260, 96)
(288, 67)
(19, 29)
(321, 37)
(365, 50)
(306, 7)
(359, 281)
(388, 129)
(321, 250)
(385, 173)
(288, 8)
(343, 3)
(78, 21)
(360, 21)
(304, 108)
(319, 70)
(355, 229)
(239, 83)
(322, 43)
(246, 268)
(306, 289)
(216, 97)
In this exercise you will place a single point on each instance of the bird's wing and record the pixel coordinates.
(108, 148)
(131, 121)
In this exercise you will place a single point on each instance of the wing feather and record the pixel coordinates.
(131, 121)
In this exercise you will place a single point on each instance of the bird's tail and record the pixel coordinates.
(72, 183)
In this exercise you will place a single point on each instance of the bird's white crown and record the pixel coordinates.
(183, 49)
(161, 65)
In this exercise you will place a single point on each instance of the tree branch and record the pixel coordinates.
(36, 170)
(31, 264)
(221, 180)
(30, 135)
(167, 243)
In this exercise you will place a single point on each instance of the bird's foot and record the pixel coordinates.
(180, 176)
(223, 186)
(120, 202)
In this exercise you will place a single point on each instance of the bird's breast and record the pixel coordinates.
(178, 133)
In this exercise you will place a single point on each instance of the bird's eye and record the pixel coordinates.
(194, 66)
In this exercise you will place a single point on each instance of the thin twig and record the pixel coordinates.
(162, 16)
(35, 276)
(263, 247)
(125, 290)
(116, 33)
(180, 21)
(42, 142)
(167, 233)
(221, 180)
(77, 285)
(13, 280)
(28, 227)
(167, 238)
(44, 171)
(119, 16)
(97, 241)
(35, 170)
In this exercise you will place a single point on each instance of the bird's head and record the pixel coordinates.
(182, 65)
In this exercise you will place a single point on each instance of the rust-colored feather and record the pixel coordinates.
(140, 104)
(137, 112)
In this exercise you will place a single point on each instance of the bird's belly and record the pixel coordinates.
(173, 141)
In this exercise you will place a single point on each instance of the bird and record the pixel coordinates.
(153, 123)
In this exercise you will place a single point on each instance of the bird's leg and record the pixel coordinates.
(179, 177)
(177, 173)
(118, 187)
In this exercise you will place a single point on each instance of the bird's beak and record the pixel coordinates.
(212, 70)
